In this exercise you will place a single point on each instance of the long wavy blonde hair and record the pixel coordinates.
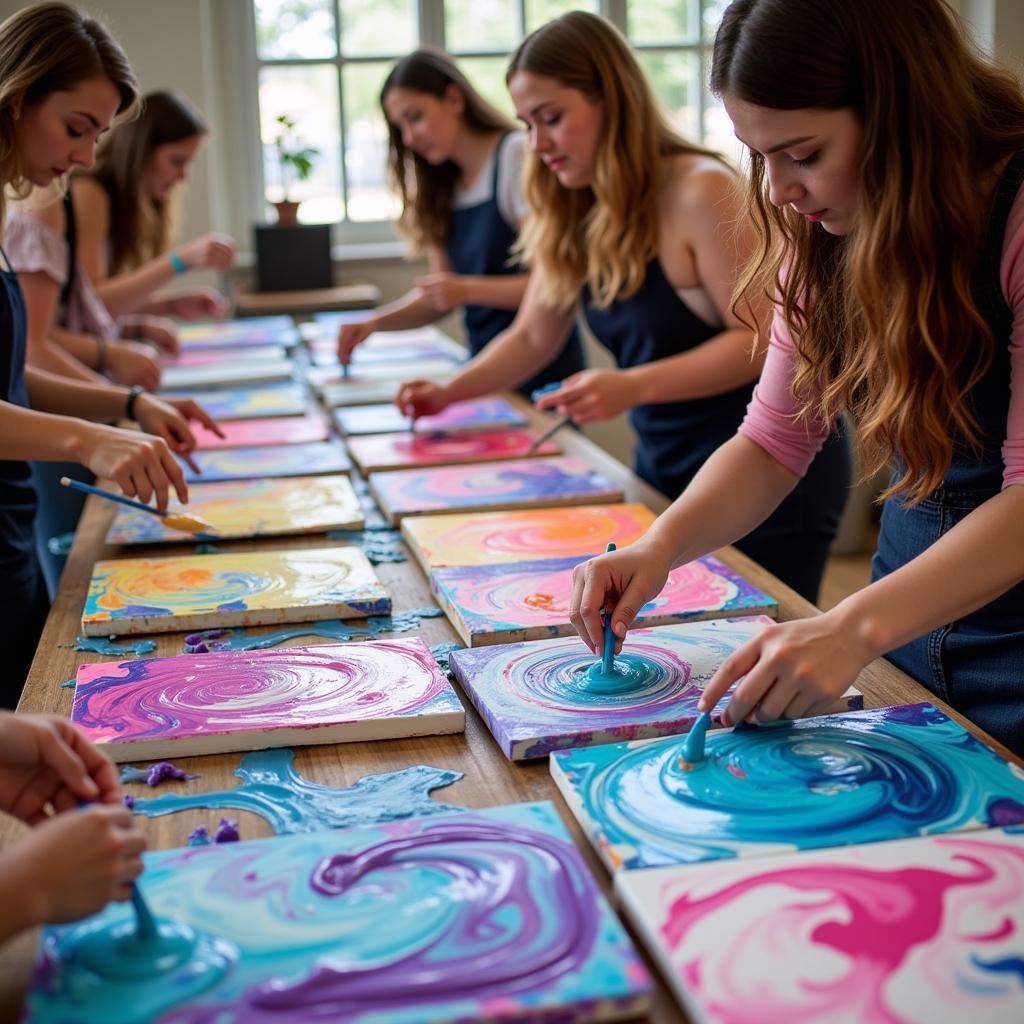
(604, 235)
(48, 48)
(884, 319)
(427, 191)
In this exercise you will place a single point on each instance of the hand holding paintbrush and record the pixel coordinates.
(172, 520)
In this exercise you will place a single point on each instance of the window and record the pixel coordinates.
(322, 63)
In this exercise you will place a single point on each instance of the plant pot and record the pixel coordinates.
(287, 213)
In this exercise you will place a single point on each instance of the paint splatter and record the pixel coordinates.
(442, 652)
(378, 545)
(155, 773)
(106, 645)
(273, 789)
(199, 836)
(227, 831)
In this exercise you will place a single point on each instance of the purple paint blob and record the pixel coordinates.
(199, 836)
(155, 773)
(227, 831)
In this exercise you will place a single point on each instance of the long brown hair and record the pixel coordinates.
(885, 317)
(426, 191)
(604, 235)
(141, 226)
(48, 48)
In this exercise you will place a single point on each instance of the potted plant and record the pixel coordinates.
(296, 164)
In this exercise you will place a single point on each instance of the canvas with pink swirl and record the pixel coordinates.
(913, 931)
(497, 604)
(490, 538)
(413, 449)
(152, 708)
(271, 430)
(260, 461)
(235, 588)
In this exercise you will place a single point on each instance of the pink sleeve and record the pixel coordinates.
(1011, 276)
(36, 248)
(771, 416)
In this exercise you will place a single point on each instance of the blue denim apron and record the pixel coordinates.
(674, 439)
(976, 664)
(23, 604)
(479, 246)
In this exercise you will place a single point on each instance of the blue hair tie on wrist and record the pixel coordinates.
(177, 263)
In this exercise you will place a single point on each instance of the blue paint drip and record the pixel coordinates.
(330, 629)
(693, 746)
(442, 652)
(378, 545)
(208, 549)
(69, 683)
(273, 789)
(106, 645)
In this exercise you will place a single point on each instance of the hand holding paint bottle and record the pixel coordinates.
(418, 398)
(626, 580)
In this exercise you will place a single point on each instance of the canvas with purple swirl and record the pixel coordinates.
(268, 460)
(536, 697)
(235, 588)
(376, 452)
(496, 604)
(151, 708)
(486, 915)
(520, 483)
(912, 931)
(288, 399)
(478, 414)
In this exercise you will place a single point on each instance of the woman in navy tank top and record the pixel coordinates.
(456, 163)
(643, 230)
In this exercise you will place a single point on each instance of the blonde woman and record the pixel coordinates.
(456, 163)
(642, 228)
(888, 160)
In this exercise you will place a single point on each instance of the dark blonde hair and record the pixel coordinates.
(48, 48)
(141, 226)
(884, 318)
(604, 235)
(426, 191)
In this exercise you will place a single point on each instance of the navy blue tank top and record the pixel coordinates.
(673, 438)
(478, 246)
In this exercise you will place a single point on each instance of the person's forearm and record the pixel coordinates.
(22, 908)
(720, 364)
(51, 393)
(28, 434)
(732, 493)
(51, 355)
(497, 291)
(130, 291)
(410, 311)
(978, 560)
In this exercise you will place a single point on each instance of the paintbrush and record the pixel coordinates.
(172, 520)
(553, 429)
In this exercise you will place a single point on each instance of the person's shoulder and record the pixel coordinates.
(89, 195)
(700, 183)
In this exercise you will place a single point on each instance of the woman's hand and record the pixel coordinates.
(170, 418)
(624, 580)
(442, 291)
(140, 464)
(210, 250)
(200, 304)
(592, 395)
(791, 669)
(130, 363)
(351, 335)
(44, 760)
(418, 398)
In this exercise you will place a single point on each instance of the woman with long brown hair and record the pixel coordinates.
(456, 165)
(642, 229)
(887, 159)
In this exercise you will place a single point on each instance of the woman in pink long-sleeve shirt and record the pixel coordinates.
(887, 160)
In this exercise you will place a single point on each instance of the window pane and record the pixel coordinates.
(371, 27)
(718, 133)
(662, 21)
(308, 95)
(294, 28)
(712, 17)
(366, 143)
(674, 76)
(487, 76)
(540, 12)
(475, 25)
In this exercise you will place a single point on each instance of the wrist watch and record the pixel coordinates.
(129, 407)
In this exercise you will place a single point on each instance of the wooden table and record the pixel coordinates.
(311, 300)
(489, 778)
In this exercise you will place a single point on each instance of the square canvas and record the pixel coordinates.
(480, 413)
(537, 697)
(238, 334)
(224, 374)
(324, 352)
(239, 588)
(487, 916)
(920, 931)
(413, 449)
(250, 508)
(152, 708)
(268, 460)
(215, 357)
(389, 370)
(366, 391)
(489, 538)
(269, 431)
(549, 482)
(888, 773)
(501, 604)
(289, 399)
